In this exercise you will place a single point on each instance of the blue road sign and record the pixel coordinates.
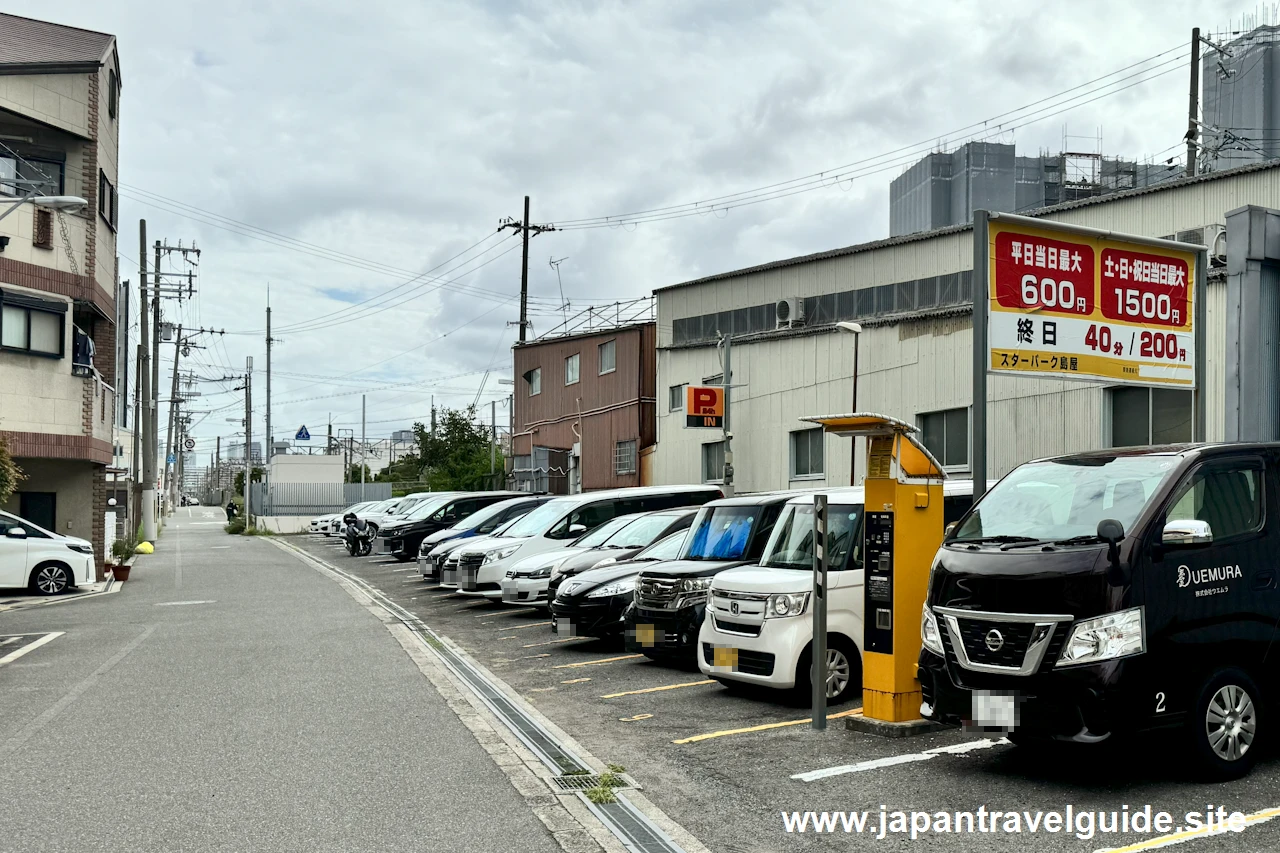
(170, 459)
(302, 435)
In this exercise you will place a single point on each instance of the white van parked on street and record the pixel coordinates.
(758, 626)
(45, 561)
(556, 523)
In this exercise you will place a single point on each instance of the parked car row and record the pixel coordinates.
(679, 574)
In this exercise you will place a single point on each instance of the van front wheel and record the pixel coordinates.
(1225, 725)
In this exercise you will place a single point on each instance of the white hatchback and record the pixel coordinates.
(47, 562)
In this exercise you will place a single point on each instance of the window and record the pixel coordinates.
(26, 176)
(608, 357)
(713, 462)
(42, 232)
(571, 370)
(113, 93)
(1228, 498)
(624, 457)
(675, 397)
(31, 330)
(946, 435)
(1150, 416)
(107, 205)
(806, 453)
(534, 378)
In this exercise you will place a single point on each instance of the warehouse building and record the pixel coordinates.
(913, 296)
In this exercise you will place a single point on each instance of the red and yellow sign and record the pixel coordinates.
(704, 407)
(1075, 306)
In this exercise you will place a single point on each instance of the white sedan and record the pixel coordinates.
(47, 562)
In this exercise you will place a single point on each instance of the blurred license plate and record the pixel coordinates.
(510, 595)
(724, 658)
(646, 635)
(994, 710)
(564, 626)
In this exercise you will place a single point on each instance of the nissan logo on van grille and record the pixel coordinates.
(994, 640)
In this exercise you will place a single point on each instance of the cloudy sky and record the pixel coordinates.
(336, 151)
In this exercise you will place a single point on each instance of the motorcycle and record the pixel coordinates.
(358, 535)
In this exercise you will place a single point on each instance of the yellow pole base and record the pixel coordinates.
(891, 707)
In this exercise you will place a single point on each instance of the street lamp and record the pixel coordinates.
(48, 202)
(856, 330)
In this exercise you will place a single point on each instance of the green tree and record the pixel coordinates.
(406, 469)
(10, 474)
(257, 478)
(353, 474)
(457, 455)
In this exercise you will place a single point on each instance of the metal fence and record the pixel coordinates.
(313, 498)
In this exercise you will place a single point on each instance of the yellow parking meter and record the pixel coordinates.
(903, 527)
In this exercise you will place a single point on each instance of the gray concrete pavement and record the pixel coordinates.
(275, 714)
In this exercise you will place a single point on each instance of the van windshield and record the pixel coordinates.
(721, 533)
(482, 517)
(792, 544)
(540, 519)
(1065, 498)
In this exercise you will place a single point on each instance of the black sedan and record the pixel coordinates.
(623, 545)
(592, 603)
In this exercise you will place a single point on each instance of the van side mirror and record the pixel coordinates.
(16, 533)
(1111, 531)
(1186, 532)
(577, 529)
(949, 529)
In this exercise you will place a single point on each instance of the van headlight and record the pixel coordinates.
(786, 604)
(695, 584)
(1115, 635)
(615, 588)
(930, 635)
(500, 554)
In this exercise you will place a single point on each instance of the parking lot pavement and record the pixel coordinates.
(727, 765)
(21, 599)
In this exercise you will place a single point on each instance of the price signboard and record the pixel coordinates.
(1074, 305)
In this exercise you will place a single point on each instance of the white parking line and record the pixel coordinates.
(12, 656)
(894, 760)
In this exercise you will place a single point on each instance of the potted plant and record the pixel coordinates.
(122, 554)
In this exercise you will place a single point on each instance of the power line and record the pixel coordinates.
(890, 159)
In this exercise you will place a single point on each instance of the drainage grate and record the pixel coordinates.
(586, 781)
(637, 832)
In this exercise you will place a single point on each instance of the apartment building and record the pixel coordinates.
(59, 137)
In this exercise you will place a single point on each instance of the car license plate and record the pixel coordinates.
(646, 635)
(724, 659)
(564, 626)
(510, 595)
(994, 710)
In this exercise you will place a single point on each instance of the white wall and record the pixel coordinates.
(306, 469)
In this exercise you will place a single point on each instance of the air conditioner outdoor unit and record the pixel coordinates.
(1216, 240)
(789, 313)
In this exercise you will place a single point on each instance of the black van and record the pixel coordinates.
(401, 538)
(1113, 592)
(671, 600)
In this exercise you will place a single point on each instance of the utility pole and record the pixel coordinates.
(145, 422)
(525, 231)
(171, 448)
(135, 502)
(217, 465)
(248, 434)
(364, 446)
(1193, 114)
(155, 367)
(493, 440)
(728, 431)
(270, 437)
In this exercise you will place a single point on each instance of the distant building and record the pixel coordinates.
(59, 136)
(1241, 107)
(585, 403)
(945, 188)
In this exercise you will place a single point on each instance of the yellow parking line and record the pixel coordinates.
(857, 712)
(575, 680)
(594, 662)
(517, 610)
(530, 625)
(658, 689)
(554, 642)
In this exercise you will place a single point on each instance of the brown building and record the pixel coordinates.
(59, 135)
(584, 414)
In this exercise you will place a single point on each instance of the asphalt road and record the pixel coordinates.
(231, 698)
(729, 790)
